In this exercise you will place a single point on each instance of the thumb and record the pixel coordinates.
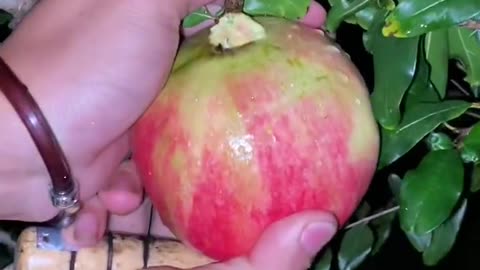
(289, 244)
(293, 243)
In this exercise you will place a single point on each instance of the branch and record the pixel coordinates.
(372, 217)
(474, 25)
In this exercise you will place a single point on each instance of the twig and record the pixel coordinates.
(461, 88)
(452, 128)
(475, 105)
(372, 217)
(474, 115)
(475, 25)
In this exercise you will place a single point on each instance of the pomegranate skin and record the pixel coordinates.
(240, 139)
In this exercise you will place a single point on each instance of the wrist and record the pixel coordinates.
(23, 178)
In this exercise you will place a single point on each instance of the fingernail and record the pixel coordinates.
(86, 229)
(316, 235)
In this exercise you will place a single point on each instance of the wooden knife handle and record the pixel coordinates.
(115, 252)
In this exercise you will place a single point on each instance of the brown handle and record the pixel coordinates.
(116, 252)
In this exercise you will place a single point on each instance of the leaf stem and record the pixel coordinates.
(474, 115)
(475, 105)
(459, 87)
(472, 24)
(372, 217)
(451, 128)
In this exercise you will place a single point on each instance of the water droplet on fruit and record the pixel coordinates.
(242, 147)
(239, 115)
(219, 201)
(290, 36)
(357, 101)
(196, 99)
(295, 26)
(93, 123)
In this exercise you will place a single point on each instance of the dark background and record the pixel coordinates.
(397, 252)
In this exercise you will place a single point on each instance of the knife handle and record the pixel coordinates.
(114, 252)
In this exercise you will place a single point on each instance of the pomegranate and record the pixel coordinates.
(240, 137)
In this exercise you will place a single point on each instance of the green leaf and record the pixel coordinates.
(325, 261)
(288, 9)
(475, 180)
(436, 50)
(394, 63)
(471, 145)
(197, 17)
(469, 156)
(419, 241)
(5, 17)
(395, 184)
(414, 17)
(356, 245)
(430, 192)
(383, 228)
(464, 47)
(421, 89)
(363, 210)
(342, 10)
(365, 17)
(418, 121)
(360, 12)
(444, 238)
(439, 141)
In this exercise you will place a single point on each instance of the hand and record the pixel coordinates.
(289, 244)
(93, 67)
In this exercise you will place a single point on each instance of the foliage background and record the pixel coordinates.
(397, 252)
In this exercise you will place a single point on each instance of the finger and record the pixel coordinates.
(289, 244)
(143, 221)
(124, 192)
(294, 241)
(100, 172)
(89, 225)
(315, 16)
